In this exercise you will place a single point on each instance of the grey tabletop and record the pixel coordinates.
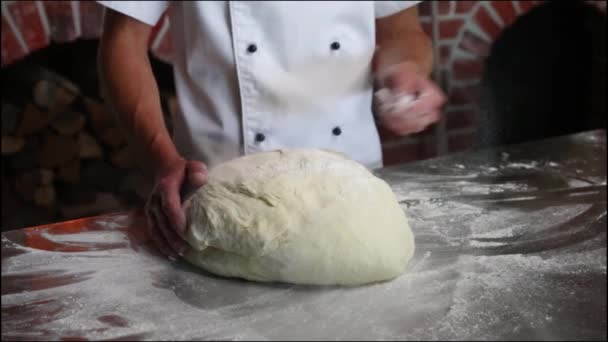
(511, 244)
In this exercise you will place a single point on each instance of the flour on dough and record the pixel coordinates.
(300, 216)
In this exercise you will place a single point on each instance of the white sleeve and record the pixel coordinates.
(147, 12)
(386, 8)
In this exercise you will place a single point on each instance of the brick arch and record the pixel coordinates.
(28, 26)
(462, 32)
(466, 32)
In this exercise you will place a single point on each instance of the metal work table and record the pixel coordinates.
(511, 244)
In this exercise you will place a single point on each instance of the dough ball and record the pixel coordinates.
(300, 216)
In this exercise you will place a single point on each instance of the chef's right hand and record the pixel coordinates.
(164, 209)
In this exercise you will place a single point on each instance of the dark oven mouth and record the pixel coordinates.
(545, 75)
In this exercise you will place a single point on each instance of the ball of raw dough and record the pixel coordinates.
(301, 216)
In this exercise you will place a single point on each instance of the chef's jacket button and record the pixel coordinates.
(259, 137)
(252, 48)
(337, 131)
(335, 45)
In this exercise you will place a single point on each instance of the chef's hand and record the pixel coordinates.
(164, 209)
(419, 100)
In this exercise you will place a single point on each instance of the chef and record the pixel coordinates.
(255, 76)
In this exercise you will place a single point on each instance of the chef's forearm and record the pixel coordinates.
(130, 88)
(400, 38)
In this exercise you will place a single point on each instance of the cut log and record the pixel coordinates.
(44, 176)
(53, 96)
(33, 120)
(45, 196)
(43, 93)
(68, 123)
(10, 118)
(27, 183)
(113, 137)
(28, 157)
(63, 98)
(12, 145)
(99, 116)
(58, 150)
(123, 158)
(70, 172)
(88, 146)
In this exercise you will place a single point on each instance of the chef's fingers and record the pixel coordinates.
(427, 121)
(402, 81)
(196, 176)
(408, 125)
(197, 173)
(431, 99)
(401, 121)
(171, 206)
(154, 231)
(175, 243)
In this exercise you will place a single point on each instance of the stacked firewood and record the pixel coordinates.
(64, 156)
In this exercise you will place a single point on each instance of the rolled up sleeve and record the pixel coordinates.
(148, 12)
(386, 8)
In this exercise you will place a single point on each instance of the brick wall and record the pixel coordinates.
(31, 25)
(462, 32)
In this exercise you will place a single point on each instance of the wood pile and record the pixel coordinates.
(63, 155)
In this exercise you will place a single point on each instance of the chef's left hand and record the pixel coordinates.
(403, 80)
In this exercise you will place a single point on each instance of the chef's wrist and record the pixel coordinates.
(388, 71)
(163, 157)
(393, 52)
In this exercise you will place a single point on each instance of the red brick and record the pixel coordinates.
(466, 69)
(505, 10)
(527, 5)
(385, 134)
(449, 28)
(445, 52)
(27, 19)
(91, 19)
(445, 79)
(464, 95)
(61, 20)
(11, 49)
(465, 6)
(424, 9)
(461, 119)
(461, 142)
(427, 28)
(487, 24)
(408, 152)
(445, 7)
(474, 44)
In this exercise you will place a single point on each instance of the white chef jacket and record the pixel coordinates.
(256, 76)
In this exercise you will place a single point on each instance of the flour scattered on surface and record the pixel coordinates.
(490, 268)
(529, 166)
(88, 237)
